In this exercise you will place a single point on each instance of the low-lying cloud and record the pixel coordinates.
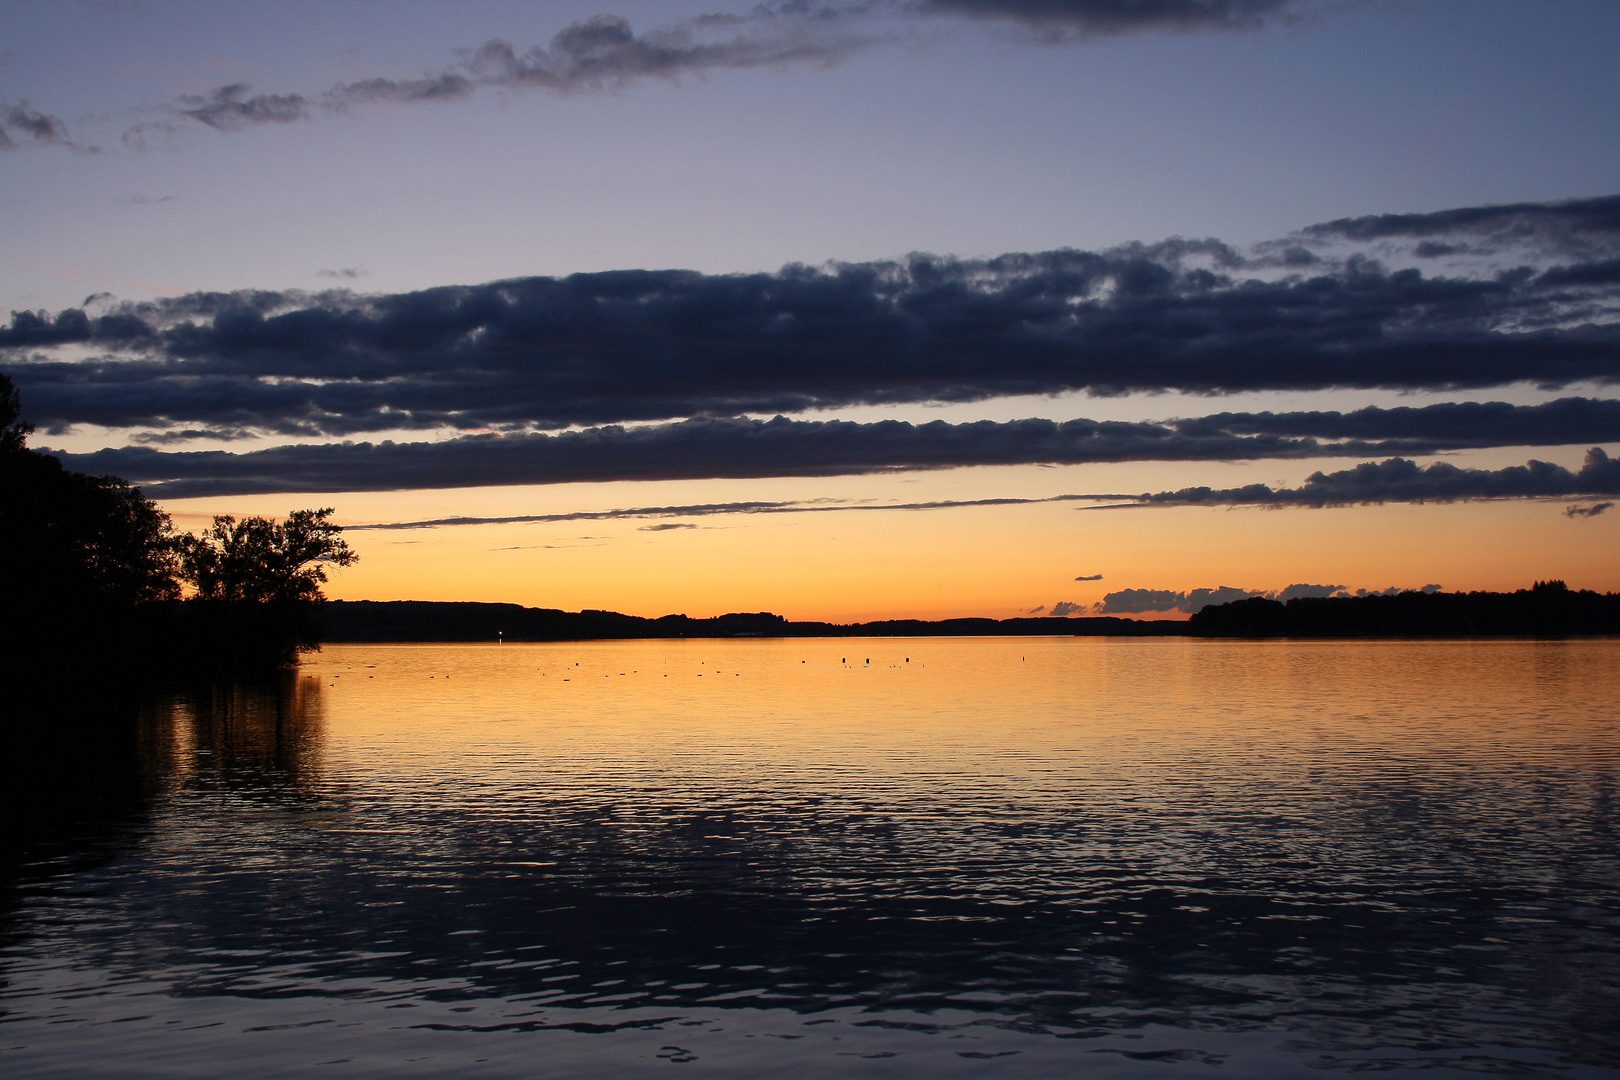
(740, 448)
(1151, 601)
(1402, 480)
(702, 510)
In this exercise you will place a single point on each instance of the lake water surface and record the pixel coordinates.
(1036, 857)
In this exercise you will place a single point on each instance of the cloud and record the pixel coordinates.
(1059, 20)
(604, 53)
(20, 124)
(795, 506)
(347, 273)
(1584, 228)
(1063, 609)
(646, 345)
(741, 448)
(601, 53)
(1089, 577)
(233, 107)
(1303, 590)
(1587, 511)
(1599, 471)
(666, 526)
(1141, 601)
(1401, 480)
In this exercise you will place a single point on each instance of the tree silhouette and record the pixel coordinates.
(13, 436)
(257, 560)
(69, 538)
(90, 570)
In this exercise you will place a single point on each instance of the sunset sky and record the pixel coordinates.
(841, 310)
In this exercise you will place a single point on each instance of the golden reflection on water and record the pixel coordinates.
(973, 704)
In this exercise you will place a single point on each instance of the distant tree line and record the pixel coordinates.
(1546, 609)
(96, 580)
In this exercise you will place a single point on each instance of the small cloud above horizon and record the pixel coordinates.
(1143, 601)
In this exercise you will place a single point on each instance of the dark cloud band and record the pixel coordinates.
(646, 345)
(743, 448)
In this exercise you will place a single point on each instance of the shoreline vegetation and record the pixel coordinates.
(100, 591)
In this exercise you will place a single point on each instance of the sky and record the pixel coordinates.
(841, 310)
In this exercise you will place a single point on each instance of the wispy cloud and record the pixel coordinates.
(605, 53)
(700, 510)
(1396, 480)
(602, 53)
(1065, 20)
(1587, 511)
(21, 124)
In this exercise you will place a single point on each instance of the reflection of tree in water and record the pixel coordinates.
(78, 775)
(245, 737)
(81, 781)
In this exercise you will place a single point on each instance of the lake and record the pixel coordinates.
(1008, 857)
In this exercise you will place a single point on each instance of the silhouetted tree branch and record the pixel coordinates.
(257, 560)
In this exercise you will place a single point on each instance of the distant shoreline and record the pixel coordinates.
(350, 621)
(1549, 609)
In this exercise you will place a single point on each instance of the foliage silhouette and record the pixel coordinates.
(92, 573)
(68, 538)
(257, 560)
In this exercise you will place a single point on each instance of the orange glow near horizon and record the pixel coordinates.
(995, 561)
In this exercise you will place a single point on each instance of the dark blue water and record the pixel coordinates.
(1010, 857)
